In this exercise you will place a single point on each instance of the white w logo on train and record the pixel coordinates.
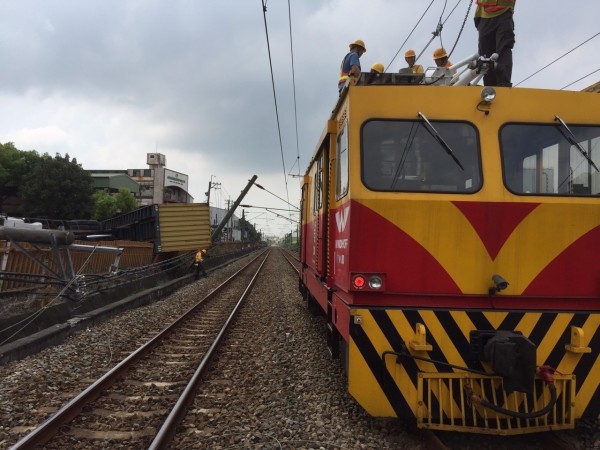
(341, 217)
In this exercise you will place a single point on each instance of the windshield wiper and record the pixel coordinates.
(569, 136)
(440, 140)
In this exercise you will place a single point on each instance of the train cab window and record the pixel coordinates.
(412, 156)
(341, 188)
(551, 159)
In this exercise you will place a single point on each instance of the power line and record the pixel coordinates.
(409, 35)
(264, 6)
(274, 195)
(294, 85)
(585, 76)
(560, 57)
(461, 28)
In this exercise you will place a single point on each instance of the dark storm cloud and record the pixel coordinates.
(110, 80)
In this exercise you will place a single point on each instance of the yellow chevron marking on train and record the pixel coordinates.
(589, 384)
(398, 371)
(365, 387)
(407, 332)
(494, 318)
(441, 336)
(587, 390)
(361, 381)
(535, 236)
(528, 322)
(437, 332)
(548, 343)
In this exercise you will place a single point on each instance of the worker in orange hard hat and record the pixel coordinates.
(496, 28)
(350, 67)
(410, 56)
(377, 68)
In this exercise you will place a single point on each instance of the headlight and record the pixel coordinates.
(488, 94)
(375, 282)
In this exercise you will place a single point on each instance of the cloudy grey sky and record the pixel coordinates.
(109, 81)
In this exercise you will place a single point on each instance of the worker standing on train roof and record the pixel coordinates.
(494, 22)
(410, 56)
(350, 67)
(377, 68)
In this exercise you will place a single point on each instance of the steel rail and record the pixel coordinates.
(165, 434)
(290, 259)
(49, 428)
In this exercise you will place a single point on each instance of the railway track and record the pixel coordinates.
(141, 400)
(292, 260)
(272, 384)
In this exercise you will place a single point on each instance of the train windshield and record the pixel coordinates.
(559, 159)
(407, 156)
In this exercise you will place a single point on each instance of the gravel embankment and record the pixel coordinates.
(274, 385)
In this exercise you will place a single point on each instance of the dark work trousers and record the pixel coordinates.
(497, 35)
(199, 268)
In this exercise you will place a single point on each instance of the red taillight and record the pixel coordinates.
(371, 282)
(358, 281)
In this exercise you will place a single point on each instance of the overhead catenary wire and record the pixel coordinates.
(274, 195)
(264, 8)
(579, 79)
(440, 23)
(557, 59)
(410, 34)
(294, 89)
(438, 30)
(462, 27)
(436, 33)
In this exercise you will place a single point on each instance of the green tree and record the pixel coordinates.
(104, 205)
(57, 188)
(125, 201)
(14, 166)
(249, 232)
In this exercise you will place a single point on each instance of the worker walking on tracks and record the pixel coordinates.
(350, 67)
(410, 56)
(198, 266)
(494, 22)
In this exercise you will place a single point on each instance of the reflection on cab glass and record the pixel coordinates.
(560, 159)
(420, 156)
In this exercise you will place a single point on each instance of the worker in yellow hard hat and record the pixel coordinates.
(441, 57)
(377, 68)
(350, 67)
(410, 56)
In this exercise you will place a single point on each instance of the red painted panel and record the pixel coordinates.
(494, 222)
(575, 272)
(377, 245)
(341, 317)
(339, 245)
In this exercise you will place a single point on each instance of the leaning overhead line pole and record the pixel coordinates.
(217, 233)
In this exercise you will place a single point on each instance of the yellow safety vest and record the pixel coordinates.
(417, 69)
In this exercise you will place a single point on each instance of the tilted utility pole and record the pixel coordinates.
(217, 233)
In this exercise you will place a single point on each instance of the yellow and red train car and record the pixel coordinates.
(451, 237)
